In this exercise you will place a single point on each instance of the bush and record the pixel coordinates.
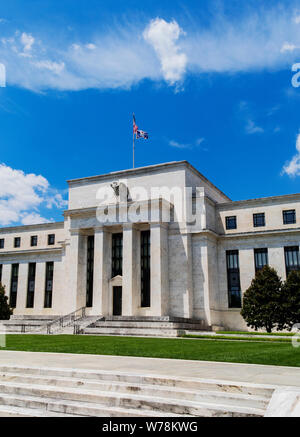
(262, 300)
(5, 310)
(289, 313)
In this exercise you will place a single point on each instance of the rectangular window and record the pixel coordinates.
(2, 243)
(1, 267)
(117, 254)
(33, 240)
(51, 239)
(260, 258)
(289, 217)
(49, 284)
(14, 285)
(259, 220)
(231, 222)
(292, 260)
(90, 271)
(17, 242)
(145, 269)
(233, 278)
(31, 285)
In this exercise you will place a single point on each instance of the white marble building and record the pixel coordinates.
(153, 241)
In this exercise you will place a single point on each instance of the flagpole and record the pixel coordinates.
(133, 149)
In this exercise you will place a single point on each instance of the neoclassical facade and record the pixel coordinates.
(153, 241)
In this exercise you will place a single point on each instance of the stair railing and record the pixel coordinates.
(66, 320)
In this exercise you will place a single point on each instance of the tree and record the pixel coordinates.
(5, 310)
(261, 302)
(289, 313)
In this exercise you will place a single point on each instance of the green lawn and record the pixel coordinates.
(282, 334)
(283, 354)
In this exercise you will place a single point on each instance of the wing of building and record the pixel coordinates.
(149, 242)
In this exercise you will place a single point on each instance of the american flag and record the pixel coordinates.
(137, 132)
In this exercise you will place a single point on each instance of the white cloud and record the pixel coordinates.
(21, 196)
(287, 47)
(163, 36)
(27, 40)
(252, 128)
(192, 145)
(292, 167)
(160, 49)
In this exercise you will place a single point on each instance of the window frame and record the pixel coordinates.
(289, 268)
(285, 215)
(2, 243)
(227, 221)
(50, 242)
(33, 240)
(234, 296)
(256, 217)
(257, 251)
(17, 242)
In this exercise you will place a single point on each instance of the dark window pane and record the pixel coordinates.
(117, 254)
(231, 222)
(14, 285)
(90, 271)
(17, 242)
(145, 269)
(31, 285)
(34, 240)
(292, 260)
(49, 284)
(261, 258)
(51, 239)
(2, 243)
(259, 219)
(289, 217)
(233, 279)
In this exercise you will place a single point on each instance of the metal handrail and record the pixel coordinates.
(67, 320)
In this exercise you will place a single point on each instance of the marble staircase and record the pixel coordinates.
(42, 391)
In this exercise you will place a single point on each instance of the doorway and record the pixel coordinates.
(117, 301)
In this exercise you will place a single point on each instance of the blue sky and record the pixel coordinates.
(209, 80)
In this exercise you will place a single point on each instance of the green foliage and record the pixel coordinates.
(289, 313)
(5, 310)
(262, 300)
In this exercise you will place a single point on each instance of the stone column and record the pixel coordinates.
(6, 277)
(159, 269)
(186, 268)
(131, 270)
(22, 288)
(77, 271)
(102, 271)
(40, 285)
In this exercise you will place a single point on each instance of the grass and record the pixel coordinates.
(228, 337)
(283, 354)
(287, 334)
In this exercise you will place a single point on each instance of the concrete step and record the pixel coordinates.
(146, 390)
(14, 411)
(144, 325)
(52, 407)
(142, 332)
(128, 401)
(93, 376)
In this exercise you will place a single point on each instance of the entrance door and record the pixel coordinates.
(117, 301)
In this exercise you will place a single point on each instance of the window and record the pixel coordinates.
(117, 254)
(90, 271)
(145, 269)
(2, 241)
(17, 242)
(49, 284)
(34, 240)
(31, 285)
(51, 239)
(231, 222)
(260, 258)
(14, 285)
(259, 220)
(233, 279)
(1, 267)
(292, 260)
(289, 217)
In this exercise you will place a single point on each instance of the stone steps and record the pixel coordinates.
(100, 393)
(139, 332)
(147, 325)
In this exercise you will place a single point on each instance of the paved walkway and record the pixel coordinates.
(260, 374)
